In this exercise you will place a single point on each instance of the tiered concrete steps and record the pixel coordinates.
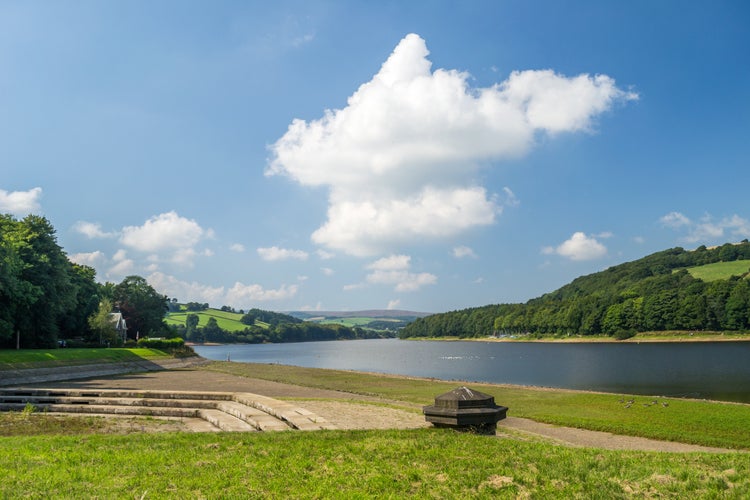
(225, 411)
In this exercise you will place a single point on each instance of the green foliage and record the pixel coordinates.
(102, 326)
(142, 306)
(43, 296)
(657, 293)
(161, 344)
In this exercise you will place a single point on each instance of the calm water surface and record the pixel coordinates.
(711, 370)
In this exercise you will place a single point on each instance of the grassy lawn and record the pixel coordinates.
(688, 421)
(40, 358)
(425, 463)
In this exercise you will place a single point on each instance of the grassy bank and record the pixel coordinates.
(40, 358)
(687, 421)
(426, 463)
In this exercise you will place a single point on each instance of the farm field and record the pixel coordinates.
(720, 270)
(228, 321)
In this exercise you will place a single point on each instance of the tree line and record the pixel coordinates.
(44, 297)
(655, 293)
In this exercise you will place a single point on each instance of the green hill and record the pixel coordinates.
(228, 321)
(676, 289)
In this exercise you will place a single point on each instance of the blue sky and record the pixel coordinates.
(426, 156)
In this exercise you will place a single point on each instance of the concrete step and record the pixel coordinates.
(233, 412)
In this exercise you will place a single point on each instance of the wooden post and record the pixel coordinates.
(18, 340)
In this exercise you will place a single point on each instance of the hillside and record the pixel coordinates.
(676, 289)
(200, 323)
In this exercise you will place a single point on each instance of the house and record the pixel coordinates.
(120, 326)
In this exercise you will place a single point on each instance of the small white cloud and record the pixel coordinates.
(92, 230)
(510, 198)
(123, 267)
(353, 286)
(394, 270)
(401, 159)
(706, 230)
(639, 240)
(20, 202)
(188, 292)
(92, 259)
(237, 247)
(276, 253)
(462, 251)
(478, 281)
(247, 294)
(675, 220)
(163, 232)
(393, 304)
(579, 247)
(391, 263)
(327, 271)
(325, 255)
(120, 255)
(302, 278)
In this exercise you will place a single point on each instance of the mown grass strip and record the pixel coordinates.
(38, 358)
(688, 421)
(426, 463)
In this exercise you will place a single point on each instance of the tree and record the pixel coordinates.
(102, 326)
(142, 306)
(191, 326)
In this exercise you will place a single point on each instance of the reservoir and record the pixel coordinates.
(706, 370)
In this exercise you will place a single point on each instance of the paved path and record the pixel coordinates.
(352, 411)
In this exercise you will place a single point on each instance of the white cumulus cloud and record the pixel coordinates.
(92, 259)
(276, 253)
(400, 159)
(91, 230)
(162, 232)
(463, 251)
(579, 247)
(395, 270)
(20, 202)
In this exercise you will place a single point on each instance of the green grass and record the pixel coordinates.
(40, 358)
(228, 321)
(688, 421)
(425, 463)
(720, 270)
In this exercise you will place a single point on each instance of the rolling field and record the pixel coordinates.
(228, 321)
(720, 270)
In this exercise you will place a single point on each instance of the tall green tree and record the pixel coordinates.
(142, 306)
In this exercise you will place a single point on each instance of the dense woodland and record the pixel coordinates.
(655, 293)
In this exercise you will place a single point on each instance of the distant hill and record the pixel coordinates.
(370, 313)
(676, 289)
(378, 320)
